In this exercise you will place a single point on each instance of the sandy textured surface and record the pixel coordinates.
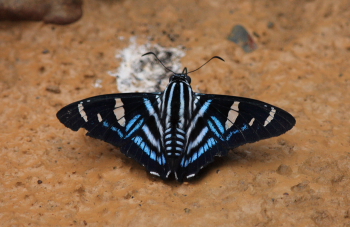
(52, 176)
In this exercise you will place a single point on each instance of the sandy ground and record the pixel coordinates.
(52, 176)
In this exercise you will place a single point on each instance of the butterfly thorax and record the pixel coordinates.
(176, 112)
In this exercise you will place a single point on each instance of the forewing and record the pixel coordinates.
(129, 121)
(221, 123)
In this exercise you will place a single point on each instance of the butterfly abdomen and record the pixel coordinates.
(174, 140)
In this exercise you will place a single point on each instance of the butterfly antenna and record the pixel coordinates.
(148, 53)
(207, 62)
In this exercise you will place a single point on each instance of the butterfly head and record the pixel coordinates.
(181, 77)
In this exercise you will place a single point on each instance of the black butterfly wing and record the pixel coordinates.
(129, 121)
(221, 123)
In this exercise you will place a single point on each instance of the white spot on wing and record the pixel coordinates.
(235, 106)
(159, 101)
(119, 114)
(251, 121)
(196, 100)
(99, 118)
(154, 173)
(191, 175)
(118, 103)
(270, 117)
(232, 115)
(119, 111)
(82, 112)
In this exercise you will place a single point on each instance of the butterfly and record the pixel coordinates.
(177, 131)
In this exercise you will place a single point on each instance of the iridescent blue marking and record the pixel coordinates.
(135, 128)
(147, 150)
(148, 106)
(137, 140)
(131, 122)
(121, 135)
(198, 140)
(211, 142)
(153, 156)
(232, 133)
(206, 146)
(194, 157)
(182, 162)
(245, 127)
(142, 145)
(201, 151)
(106, 124)
(205, 107)
(213, 129)
(218, 124)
